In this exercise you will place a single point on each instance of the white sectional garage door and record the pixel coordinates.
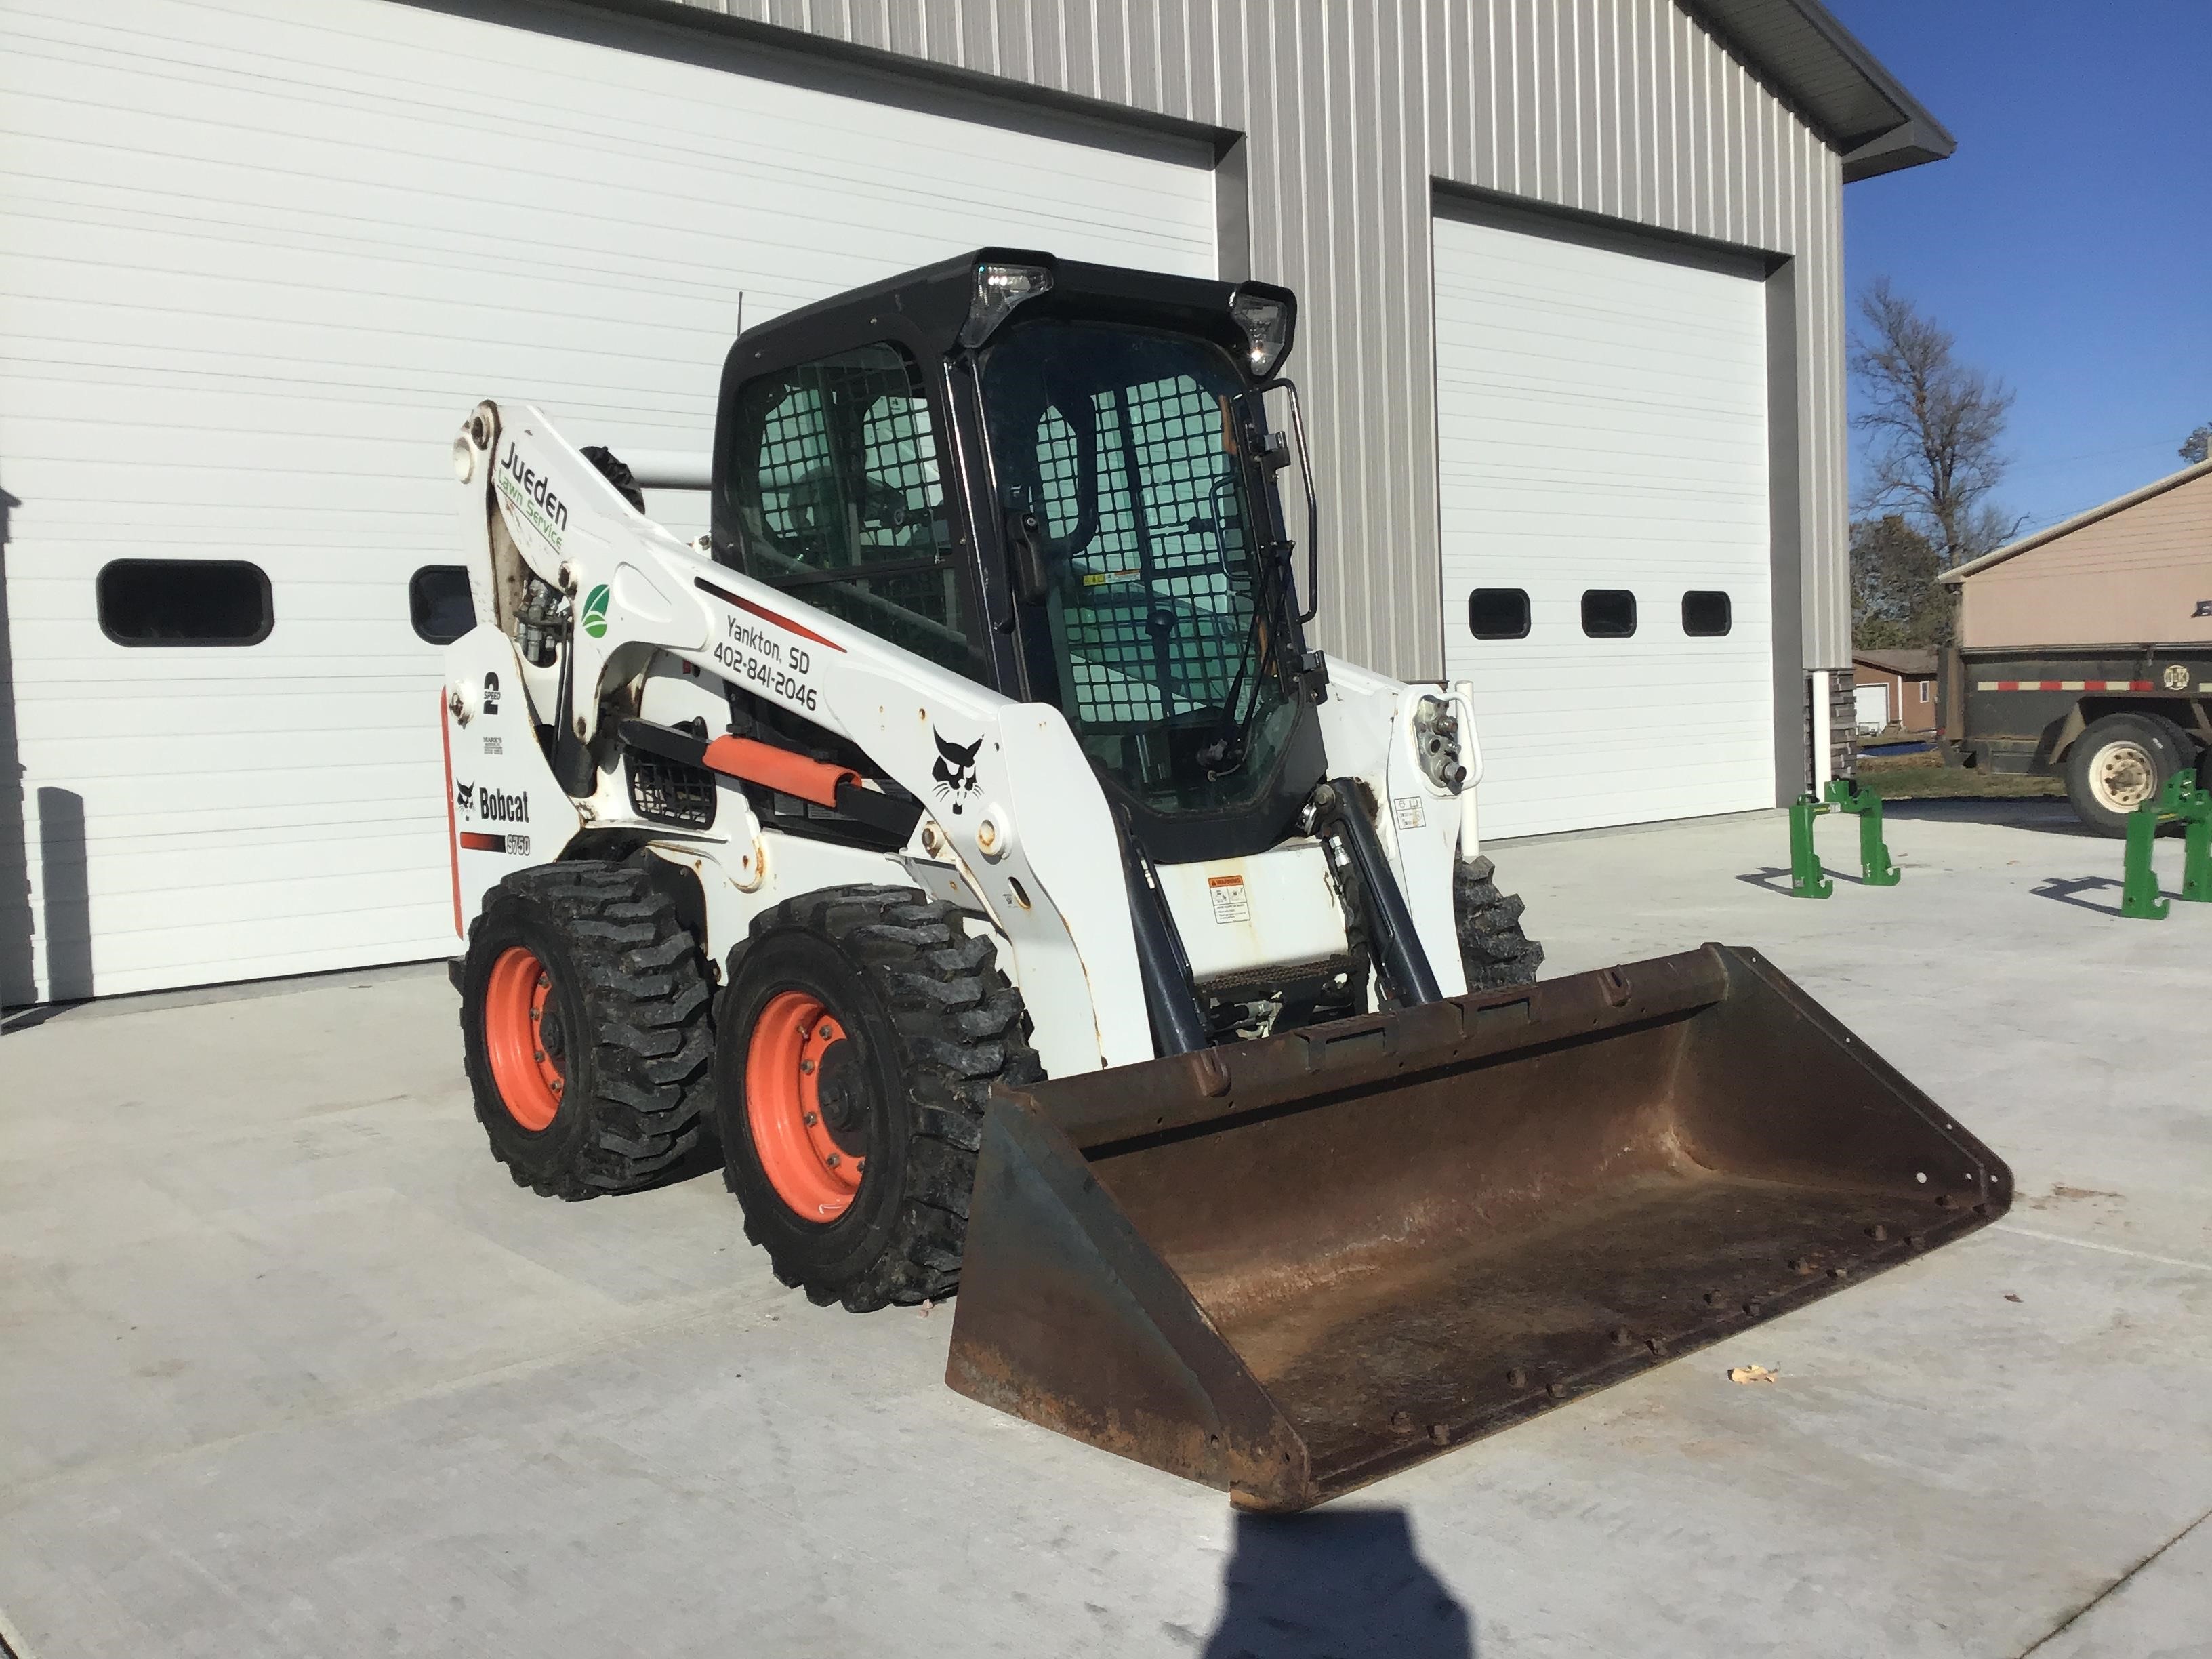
(1601, 434)
(258, 258)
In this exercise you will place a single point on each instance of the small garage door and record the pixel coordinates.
(1601, 434)
(257, 261)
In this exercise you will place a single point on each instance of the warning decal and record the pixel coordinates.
(1231, 901)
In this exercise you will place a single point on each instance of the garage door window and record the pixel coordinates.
(1608, 613)
(1705, 614)
(1498, 613)
(185, 602)
(439, 604)
(839, 500)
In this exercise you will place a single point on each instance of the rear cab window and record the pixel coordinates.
(840, 501)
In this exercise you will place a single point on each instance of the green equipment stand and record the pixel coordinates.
(1874, 867)
(1807, 880)
(2182, 800)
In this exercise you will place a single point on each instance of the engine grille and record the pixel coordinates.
(668, 791)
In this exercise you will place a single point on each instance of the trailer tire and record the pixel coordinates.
(593, 950)
(2119, 763)
(1493, 950)
(2190, 751)
(861, 1033)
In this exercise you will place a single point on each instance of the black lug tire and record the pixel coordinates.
(627, 977)
(936, 1022)
(1493, 949)
(2189, 751)
(2155, 736)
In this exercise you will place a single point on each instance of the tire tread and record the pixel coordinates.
(647, 1001)
(1493, 949)
(959, 1024)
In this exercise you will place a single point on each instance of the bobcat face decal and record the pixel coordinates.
(955, 771)
(465, 795)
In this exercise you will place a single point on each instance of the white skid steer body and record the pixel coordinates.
(585, 606)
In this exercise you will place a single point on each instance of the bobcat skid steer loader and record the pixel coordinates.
(963, 836)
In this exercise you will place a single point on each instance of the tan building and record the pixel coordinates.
(2137, 570)
(1895, 691)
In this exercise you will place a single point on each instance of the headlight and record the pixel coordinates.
(998, 289)
(1265, 320)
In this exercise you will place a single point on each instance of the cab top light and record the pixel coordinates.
(998, 289)
(1265, 321)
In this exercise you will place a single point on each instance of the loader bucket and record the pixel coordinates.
(1290, 1266)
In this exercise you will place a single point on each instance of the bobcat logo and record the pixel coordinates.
(491, 694)
(955, 770)
(465, 795)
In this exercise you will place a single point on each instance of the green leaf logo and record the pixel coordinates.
(595, 611)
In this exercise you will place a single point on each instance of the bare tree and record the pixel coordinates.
(2197, 445)
(1934, 426)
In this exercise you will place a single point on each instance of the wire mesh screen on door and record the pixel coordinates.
(840, 496)
(1155, 615)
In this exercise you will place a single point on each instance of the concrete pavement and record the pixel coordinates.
(287, 1366)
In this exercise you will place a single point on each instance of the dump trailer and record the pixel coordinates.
(963, 841)
(2115, 721)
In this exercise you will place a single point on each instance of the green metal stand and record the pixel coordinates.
(1874, 867)
(2182, 800)
(1807, 880)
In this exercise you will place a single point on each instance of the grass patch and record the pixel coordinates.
(1924, 777)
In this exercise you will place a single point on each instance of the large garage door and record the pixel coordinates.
(1602, 430)
(258, 258)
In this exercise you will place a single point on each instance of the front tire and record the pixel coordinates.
(860, 1036)
(2118, 764)
(1494, 950)
(584, 1019)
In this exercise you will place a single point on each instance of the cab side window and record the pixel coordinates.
(840, 501)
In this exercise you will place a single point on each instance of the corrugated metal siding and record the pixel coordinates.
(1622, 107)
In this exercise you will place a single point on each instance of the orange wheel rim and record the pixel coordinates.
(813, 1172)
(528, 1075)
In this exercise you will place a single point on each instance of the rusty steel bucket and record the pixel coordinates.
(1290, 1266)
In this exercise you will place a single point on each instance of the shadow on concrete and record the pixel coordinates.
(1342, 1582)
(22, 1019)
(1777, 881)
(2043, 814)
(2067, 889)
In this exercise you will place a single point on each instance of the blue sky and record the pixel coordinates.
(2069, 243)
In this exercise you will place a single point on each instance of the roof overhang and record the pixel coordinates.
(1836, 85)
(2067, 526)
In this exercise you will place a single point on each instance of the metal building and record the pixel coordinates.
(1570, 339)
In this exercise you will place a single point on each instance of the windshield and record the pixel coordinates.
(1122, 445)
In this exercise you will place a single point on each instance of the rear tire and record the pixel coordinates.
(859, 1037)
(2119, 763)
(1493, 949)
(584, 1019)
